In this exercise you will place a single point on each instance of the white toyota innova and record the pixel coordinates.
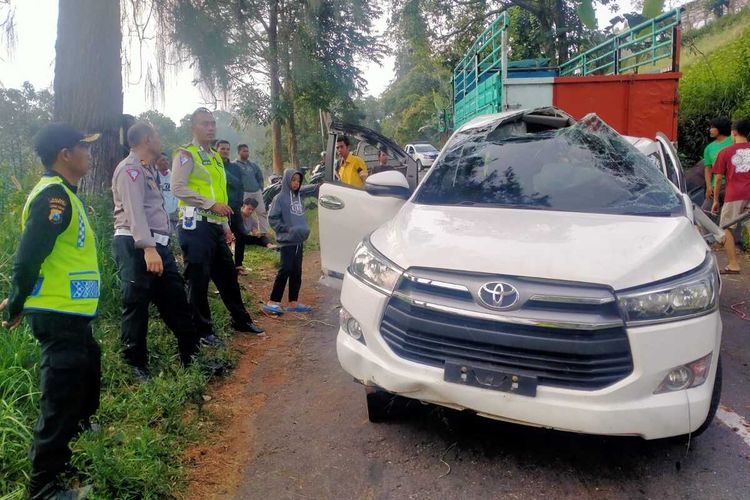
(544, 272)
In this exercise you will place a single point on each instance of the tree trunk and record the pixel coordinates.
(88, 80)
(288, 88)
(273, 52)
(291, 129)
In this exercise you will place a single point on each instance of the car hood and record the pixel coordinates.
(615, 250)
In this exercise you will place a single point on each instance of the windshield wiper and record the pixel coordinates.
(651, 214)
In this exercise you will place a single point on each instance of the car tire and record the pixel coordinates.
(378, 404)
(715, 399)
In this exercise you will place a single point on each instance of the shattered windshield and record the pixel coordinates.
(587, 167)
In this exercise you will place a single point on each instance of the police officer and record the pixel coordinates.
(199, 183)
(147, 268)
(55, 283)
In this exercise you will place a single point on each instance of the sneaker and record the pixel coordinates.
(248, 327)
(141, 375)
(211, 341)
(299, 308)
(273, 309)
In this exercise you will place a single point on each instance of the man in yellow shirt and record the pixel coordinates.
(352, 169)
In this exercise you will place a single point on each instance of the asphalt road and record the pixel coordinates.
(313, 439)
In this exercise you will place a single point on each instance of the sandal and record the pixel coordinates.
(273, 309)
(299, 308)
(726, 270)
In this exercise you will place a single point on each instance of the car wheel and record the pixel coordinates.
(379, 404)
(715, 399)
(419, 165)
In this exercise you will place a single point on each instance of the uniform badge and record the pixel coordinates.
(184, 157)
(56, 209)
(133, 174)
(55, 215)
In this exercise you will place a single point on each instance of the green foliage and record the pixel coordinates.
(652, 8)
(713, 86)
(22, 113)
(171, 136)
(525, 36)
(587, 14)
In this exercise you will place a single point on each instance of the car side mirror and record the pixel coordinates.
(389, 183)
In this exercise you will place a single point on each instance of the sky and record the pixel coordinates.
(34, 55)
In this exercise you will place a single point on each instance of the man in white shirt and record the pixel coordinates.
(164, 178)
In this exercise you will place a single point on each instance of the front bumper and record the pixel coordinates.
(627, 407)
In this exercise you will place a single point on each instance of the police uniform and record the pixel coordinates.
(56, 284)
(199, 181)
(142, 222)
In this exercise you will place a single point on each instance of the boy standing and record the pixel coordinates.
(287, 218)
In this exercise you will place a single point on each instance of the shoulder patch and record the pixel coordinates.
(133, 174)
(56, 209)
(185, 157)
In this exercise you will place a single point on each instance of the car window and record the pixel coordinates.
(587, 167)
(425, 148)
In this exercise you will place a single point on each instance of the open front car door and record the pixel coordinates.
(347, 214)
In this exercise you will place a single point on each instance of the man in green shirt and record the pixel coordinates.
(721, 133)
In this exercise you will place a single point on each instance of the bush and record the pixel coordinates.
(144, 429)
(717, 85)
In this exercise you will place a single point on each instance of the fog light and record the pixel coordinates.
(686, 376)
(351, 326)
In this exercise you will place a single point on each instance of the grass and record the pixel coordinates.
(713, 37)
(145, 429)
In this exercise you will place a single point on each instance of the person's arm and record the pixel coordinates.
(707, 176)
(719, 169)
(131, 185)
(182, 167)
(276, 217)
(259, 176)
(362, 168)
(49, 215)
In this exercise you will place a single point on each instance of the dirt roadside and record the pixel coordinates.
(216, 465)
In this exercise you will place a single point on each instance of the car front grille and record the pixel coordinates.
(572, 355)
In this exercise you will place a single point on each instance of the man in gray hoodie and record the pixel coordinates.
(287, 218)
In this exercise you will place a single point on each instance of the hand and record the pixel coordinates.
(13, 322)
(363, 175)
(229, 236)
(221, 209)
(715, 207)
(255, 233)
(153, 260)
(709, 191)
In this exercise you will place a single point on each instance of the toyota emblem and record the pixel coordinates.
(498, 295)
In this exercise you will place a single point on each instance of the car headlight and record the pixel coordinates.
(692, 294)
(369, 266)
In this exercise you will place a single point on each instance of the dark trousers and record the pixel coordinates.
(208, 258)
(139, 289)
(236, 225)
(289, 270)
(70, 382)
(250, 240)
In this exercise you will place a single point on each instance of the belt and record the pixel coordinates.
(203, 215)
(161, 239)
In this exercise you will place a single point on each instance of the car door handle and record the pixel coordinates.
(331, 202)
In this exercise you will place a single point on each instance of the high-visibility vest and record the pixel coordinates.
(208, 178)
(69, 279)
